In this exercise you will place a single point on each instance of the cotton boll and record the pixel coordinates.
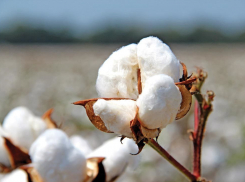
(117, 77)
(116, 115)
(23, 127)
(81, 144)
(155, 58)
(159, 102)
(56, 159)
(117, 156)
(16, 175)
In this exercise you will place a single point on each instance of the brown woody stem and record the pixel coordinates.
(152, 143)
(201, 112)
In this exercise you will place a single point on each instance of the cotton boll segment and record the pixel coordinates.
(81, 144)
(55, 158)
(159, 102)
(116, 115)
(117, 77)
(155, 58)
(117, 156)
(23, 127)
(17, 175)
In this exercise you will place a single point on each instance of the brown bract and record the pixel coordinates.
(95, 170)
(32, 173)
(16, 155)
(48, 119)
(186, 89)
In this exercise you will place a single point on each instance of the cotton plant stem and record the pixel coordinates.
(202, 109)
(152, 143)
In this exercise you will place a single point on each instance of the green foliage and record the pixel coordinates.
(25, 34)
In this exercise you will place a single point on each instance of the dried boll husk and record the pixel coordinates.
(116, 115)
(159, 102)
(185, 103)
(117, 77)
(23, 127)
(155, 57)
(56, 159)
(117, 157)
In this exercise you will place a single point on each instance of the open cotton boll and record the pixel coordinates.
(56, 159)
(16, 175)
(159, 102)
(23, 127)
(81, 144)
(4, 157)
(117, 156)
(155, 58)
(117, 77)
(116, 115)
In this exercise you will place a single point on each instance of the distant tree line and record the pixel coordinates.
(25, 34)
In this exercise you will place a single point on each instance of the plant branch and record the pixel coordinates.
(202, 109)
(152, 143)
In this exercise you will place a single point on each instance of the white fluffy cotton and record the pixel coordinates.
(117, 156)
(155, 58)
(159, 102)
(23, 127)
(81, 144)
(116, 115)
(117, 77)
(4, 157)
(56, 159)
(16, 175)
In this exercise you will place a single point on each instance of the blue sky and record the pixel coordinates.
(80, 15)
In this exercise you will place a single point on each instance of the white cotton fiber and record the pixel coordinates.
(81, 144)
(155, 58)
(17, 175)
(4, 157)
(116, 115)
(56, 159)
(23, 127)
(117, 156)
(117, 77)
(159, 102)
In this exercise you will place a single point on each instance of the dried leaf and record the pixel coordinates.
(48, 119)
(95, 170)
(149, 133)
(186, 102)
(17, 156)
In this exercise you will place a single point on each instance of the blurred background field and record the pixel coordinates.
(50, 53)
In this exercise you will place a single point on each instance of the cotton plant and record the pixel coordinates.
(141, 91)
(19, 130)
